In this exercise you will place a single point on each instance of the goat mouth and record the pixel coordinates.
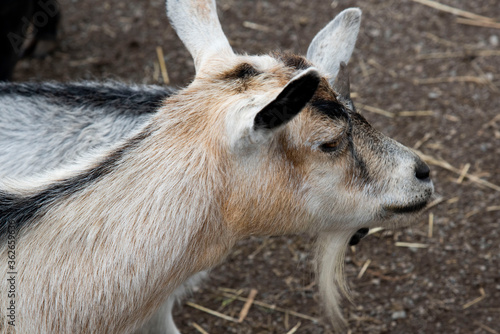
(407, 209)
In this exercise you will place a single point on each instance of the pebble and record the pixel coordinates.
(434, 95)
(374, 32)
(398, 315)
(493, 40)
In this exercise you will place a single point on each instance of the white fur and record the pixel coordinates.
(335, 42)
(198, 26)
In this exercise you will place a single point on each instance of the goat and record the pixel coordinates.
(255, 145)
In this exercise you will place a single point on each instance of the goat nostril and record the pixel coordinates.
(422, 171)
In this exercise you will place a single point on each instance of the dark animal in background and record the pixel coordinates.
(18, 20)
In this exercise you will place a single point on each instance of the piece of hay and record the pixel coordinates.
(163, 66)
(295, 328)
(478, 23)
(376, 110)
(248, 304)
(199, 328)
(431, 225)
(411, 245)
(475, 301)
(453, 10)
(211, 312)
(363, 269)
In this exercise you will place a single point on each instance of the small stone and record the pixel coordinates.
(398, 315)
(303, 20)
(493, 40)
(374, 32)
(434, 95)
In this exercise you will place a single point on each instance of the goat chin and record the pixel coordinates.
(330, 253)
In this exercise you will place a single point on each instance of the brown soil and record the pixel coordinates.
(404, 290)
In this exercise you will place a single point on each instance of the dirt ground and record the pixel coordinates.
(409, 57)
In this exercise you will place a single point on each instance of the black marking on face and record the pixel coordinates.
(360, 167)
(243, 71)
(332, 109)
(364, 135)
(16, 210)
(110, 97)
(336, 111)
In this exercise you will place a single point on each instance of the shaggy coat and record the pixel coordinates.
(255, 145)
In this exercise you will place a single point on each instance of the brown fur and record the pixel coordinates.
(202, 177)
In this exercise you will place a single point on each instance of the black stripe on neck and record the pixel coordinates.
(109, 96)
(17, 211)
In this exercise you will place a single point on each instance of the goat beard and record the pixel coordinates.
(330, 254)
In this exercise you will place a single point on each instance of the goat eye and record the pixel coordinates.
(331, 146)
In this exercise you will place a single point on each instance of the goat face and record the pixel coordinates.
(300, 159)
(294, 154)
(299, 156)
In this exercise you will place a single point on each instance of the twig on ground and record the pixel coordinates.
(417, 113)
(487, 82)
(467, 78)
(363, 269)
(460, 54)
(475, 301)
(471, 213)
(463, 173)
(419, 143)
(199, 328)
(376, 110)
(387, 278)
(485, 24)
(228, 301)
(453, 10)
(435, 202)
(156, 72)
(431, 225)
(381, 68)
(295, 328)
(211, 312)
(486, 328)
(163, 66)
(272, 307)
(411, 244)
(443, 164)
(248, 304)
(263, 245)
(448, 43)
(256, 26)
(375, 230)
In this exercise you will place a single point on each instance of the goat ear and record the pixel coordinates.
(292, 99)
(335, 42)
(198, 27)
